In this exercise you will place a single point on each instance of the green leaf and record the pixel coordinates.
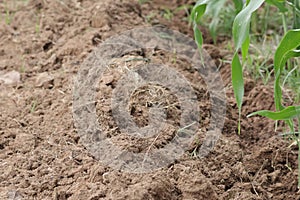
(245, 48)
(290, 42)
(213, 8)
(198, 36)
(286, 50)
(240, 31)
(296, 10)
(237, 83)
(241, 23)
(286, 114)
(199, 10)
(279, 4)
(238, 5)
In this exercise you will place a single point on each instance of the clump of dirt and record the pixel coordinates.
(41, 154)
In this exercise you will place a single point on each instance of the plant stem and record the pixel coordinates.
(284, 23)
(296, 24)
(298, 161)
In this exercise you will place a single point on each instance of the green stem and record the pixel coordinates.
(298, 161)
(266, 14)
(284, 23)
(285, 28)
(296, 131)
(254, 23)
(296, 24)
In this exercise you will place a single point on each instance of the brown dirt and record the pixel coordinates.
(41, 154)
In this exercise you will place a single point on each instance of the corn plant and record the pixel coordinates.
(288, 48)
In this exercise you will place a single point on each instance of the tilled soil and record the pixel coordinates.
(43, 157)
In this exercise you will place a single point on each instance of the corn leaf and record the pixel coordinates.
(198, 36)
(237, 84)
(240, 31)
(245, 48)
(241, 24)
(238, 5)
(279, 4)
(286, 49)
(286, 114)
(199, 10)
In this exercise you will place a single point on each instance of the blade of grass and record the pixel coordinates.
(214, 8)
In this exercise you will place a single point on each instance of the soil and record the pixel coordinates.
(43, 157)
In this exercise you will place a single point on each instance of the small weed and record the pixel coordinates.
(33, 106)
(167, 14)
(143, 1)
(259, 62)
(22, 68)
(37, 25)
(187, 9)
(8, 17)
(149, 17)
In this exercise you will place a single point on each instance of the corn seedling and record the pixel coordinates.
(288, 48)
